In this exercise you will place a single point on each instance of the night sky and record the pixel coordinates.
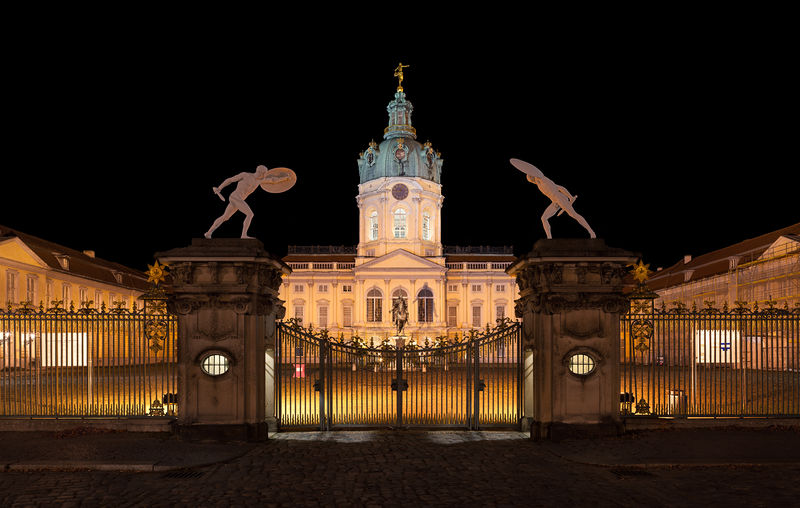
(674, 137)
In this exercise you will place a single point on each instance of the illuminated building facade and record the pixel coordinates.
(350, 290)
(39, 272)
(763, 270)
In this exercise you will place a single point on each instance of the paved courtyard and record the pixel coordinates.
(414, 468)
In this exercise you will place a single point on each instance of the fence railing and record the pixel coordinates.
(88, 362)
(710, 362)
(326, 383)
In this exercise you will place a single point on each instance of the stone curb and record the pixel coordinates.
(99, 466)
(689, 465)
(75, 466)
(685, 464)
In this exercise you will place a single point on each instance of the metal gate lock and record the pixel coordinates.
(403, 385)
(481, 385)
(317, 385)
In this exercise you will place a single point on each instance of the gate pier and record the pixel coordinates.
(571, 297)
(225, 293)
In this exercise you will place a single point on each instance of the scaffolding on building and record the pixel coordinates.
(766, 278)
(772, 277)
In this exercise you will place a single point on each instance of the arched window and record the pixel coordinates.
(374, 310)
(400, 223)
(426, 226)
(425, 305)
(399, 293)
(373, 226)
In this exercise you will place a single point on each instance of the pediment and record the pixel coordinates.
(16, 250)
(399, 260)
(782, 245)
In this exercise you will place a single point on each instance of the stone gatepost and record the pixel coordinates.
(571, 297)
(225, 293)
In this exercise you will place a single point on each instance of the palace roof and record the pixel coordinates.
(722, 260)
(81, 264)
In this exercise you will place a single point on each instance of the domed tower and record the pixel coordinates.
(399, 194)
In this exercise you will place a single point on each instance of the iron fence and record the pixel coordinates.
(710, 362)
(88, 362)
(472, 382)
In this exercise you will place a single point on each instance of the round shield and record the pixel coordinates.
(527, 168)
(286, 180)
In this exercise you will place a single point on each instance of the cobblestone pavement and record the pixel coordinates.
(410, 468)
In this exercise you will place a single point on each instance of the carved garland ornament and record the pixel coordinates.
(554, 303)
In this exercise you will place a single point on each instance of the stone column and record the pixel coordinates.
(225, 292)
(571, 298)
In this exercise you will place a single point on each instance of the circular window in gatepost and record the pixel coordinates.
(581, 364)
(215, 364)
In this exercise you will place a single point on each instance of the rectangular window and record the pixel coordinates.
(500, 288)
(373, 226)
(298, 288)
(347, 315)
(11, 286)
(322, 288)
(374, 314)
(347, 288)
(30, 289)
(66, 295)
(98, 299)
(400, 223)
(476, 316)
(111, 299)
(298, 313)
(50, 293)
(452, 315)
(83, 295)
(453, 288)
(500, 311)
(323, 316)
(477, 288)
(425, 310)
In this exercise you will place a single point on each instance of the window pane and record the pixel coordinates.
(400, 223)
(373, 226)
(215, 365)
(452, 316)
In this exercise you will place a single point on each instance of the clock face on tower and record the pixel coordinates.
(400, 192)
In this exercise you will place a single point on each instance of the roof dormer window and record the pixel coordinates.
(63, 260)
(117, 276)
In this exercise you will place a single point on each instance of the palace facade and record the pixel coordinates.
(350, 290)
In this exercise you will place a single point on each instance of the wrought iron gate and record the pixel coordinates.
(328, 384)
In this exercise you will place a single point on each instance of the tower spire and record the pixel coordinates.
(400, 111)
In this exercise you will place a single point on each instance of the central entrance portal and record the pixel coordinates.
(324, 384)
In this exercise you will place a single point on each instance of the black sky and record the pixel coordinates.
(676, 136)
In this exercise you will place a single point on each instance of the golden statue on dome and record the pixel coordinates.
(398, 73)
